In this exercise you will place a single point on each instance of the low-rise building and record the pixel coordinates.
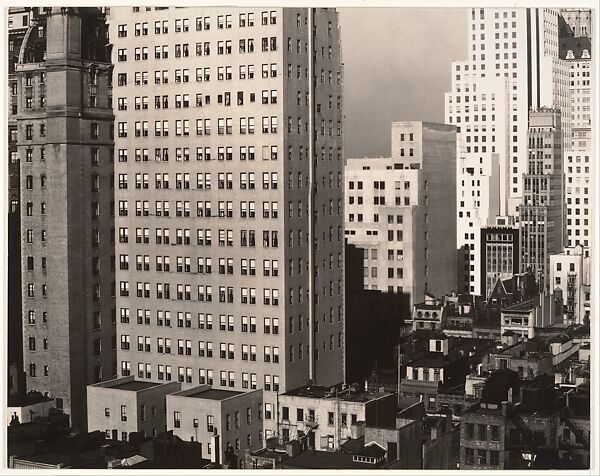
(437, 442)
(224, 422)
(574, 440)
(26, 408)
(324, 417)
(512, 427)
(444, 365)
(527, 358)
(124, 405)
(562, 347)
(506, 292)
(401, 436)
(461, 313)
(541, 311)
(428, 315)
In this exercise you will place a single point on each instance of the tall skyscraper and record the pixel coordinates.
(18, 24)
(513, 66)
(230, 215)
(64, 122)
(577, 160)
(400, 211)
(542, 211)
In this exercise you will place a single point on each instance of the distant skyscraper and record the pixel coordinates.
(542, 210)
(513, 65)
(577, 160)
(499, 253)
(400, 211)
(230, 215)
(576, 22)
(65, 148)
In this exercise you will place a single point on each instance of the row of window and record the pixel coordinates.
(182, 49)
(225, 293)
(225, 127)
(205, 376)
(224, 73)
(203, 180)
(182, 25)
(183, 100)
(203, 209)
(248, 324)
(205, 266)
(204, 237)
(482, 457)
(205, 348)
(205, 293)
(225, 209)
(94, 133)
(246, 152)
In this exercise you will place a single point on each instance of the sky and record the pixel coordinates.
(396, 68)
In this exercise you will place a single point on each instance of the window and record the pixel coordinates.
(469, 431)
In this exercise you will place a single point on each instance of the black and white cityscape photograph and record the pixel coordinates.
(271, 237)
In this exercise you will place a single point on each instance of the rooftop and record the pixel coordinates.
(133, 386)
(214, 394)
(311, 459)
(372, 450)
(317, 391)
(576, 45)
(523, 306)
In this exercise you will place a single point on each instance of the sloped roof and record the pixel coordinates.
(372, 450)
(575, 44)
(353, 446)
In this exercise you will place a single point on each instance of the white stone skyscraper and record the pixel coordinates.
(228, 139)
(400, 211)
(513, 65)
(578, 160)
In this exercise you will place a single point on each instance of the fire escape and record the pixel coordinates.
(582, 439)
(571, 278)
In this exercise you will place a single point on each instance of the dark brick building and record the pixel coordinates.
(65, 147)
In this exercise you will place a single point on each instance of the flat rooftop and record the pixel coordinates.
(317, 391)
(214, 394)
(134, 386)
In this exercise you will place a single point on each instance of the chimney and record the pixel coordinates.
(504, 409)
(357, 430)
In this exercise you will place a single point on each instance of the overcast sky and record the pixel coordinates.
(396, 67)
